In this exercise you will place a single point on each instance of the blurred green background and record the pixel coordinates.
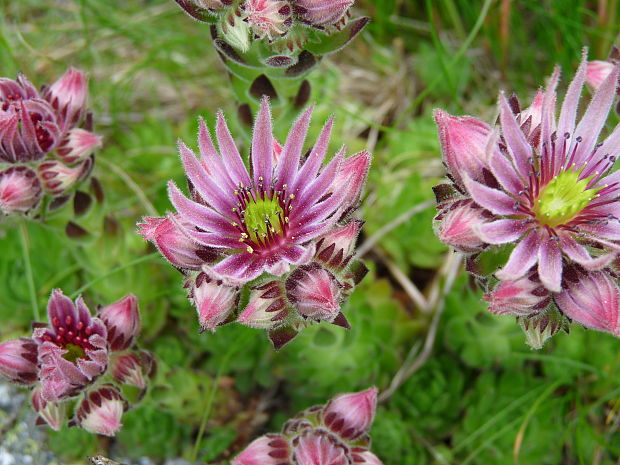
(476, 393)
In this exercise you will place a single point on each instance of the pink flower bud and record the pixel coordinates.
(271, 449)
(266, 308)
(314, 292)
(317, 447)
(58, 178)
(174, 245)
(597, 72)
(68, 96)
(20, 190)
(18, 361)
(214, 301)
(322, 12)
(28, 130)
(133, 368)
(353, 173)
(337, 246)
(520, 297)
(268, 18)
(364, 457)
(464, 143)
(50, 413)
(101, 411)
(350, 415)
(78, 145)
(122, 319)
(592, 300)
(457, 226)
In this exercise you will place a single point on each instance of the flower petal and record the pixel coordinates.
(262, 146)
(502, 231)
(496, 201)
(523, 257)
(550, 265)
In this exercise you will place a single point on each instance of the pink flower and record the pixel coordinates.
(335, 434)
(101, 411)
(68, 97)
(267, 222)
(214, 301)
(72, 348)
(72, 354)
(58, 178)
(29, 126)
(550, 195)
(520, 297)
(592, 299)
(322, 12)
(78, 145)
(267, 308)
(51, 413)
(271, 449)
(20, 190)
(350, 415)
(314, 292)
(133, 368)
(18, 361)
(365, 457)
(174, 244)
(122, 320)
(317, 447)
(337, 247)
(457, 226)
(464, 145)
(36, 128)
(268, 18)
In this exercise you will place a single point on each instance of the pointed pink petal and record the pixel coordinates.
(502, 231)
(523, 257)
(291, 153)
(518, 146)
(262, 146)
(595, 117)
(494, 200)
(230, 154)
(550, 265)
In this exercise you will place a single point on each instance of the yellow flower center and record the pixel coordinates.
(563, 199)
(262, 219)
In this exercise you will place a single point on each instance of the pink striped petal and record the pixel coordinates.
(494, 200)
(502, 231)
(230, 154)
(550, 265)
(262, 146)
(288, 164)
(523, 257)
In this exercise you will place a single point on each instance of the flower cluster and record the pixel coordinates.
(283, 38)
(81, 362)
(334, 434)
(43, 148)
(542, 188)
(280, 239)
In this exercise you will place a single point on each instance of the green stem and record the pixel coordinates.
(211, 398)
(25, 241)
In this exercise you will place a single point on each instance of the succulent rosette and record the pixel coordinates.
(80, 362)
(334, 434)
(267, 44)
(283, 236)
(44, 150)
(544, 189)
